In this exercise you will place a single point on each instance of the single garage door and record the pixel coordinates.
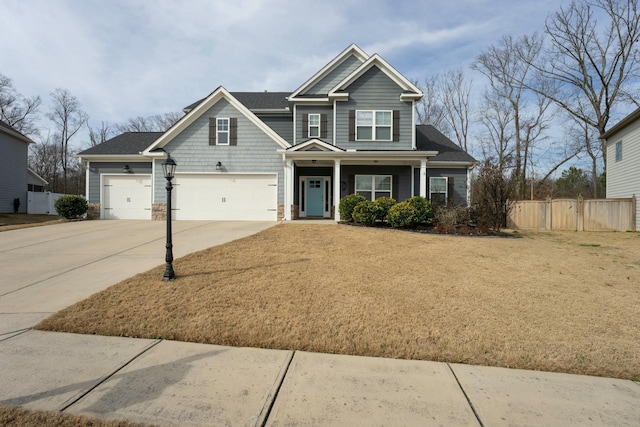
(126, 197)
(226, 197)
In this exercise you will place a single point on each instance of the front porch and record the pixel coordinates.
(317, 175)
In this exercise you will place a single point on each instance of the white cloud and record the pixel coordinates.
(123, 58)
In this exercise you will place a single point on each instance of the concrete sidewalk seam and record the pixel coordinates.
(263, 417)
(15, 334)
(75, 399)
(466, 396)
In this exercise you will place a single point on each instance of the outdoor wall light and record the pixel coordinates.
(126, 169)
(169, 169)
(219, 166)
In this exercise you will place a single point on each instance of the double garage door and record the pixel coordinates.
(226, 197)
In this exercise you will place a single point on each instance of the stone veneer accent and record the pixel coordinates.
(159, 212)
(295, 211)
(94, 211)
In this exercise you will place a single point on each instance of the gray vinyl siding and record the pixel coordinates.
(13, 173)
(255, 152)
(459, 176)
(374, 90)
(283, 125)
(98, 168)
(401, 187)
(328, 82)
(300, 110)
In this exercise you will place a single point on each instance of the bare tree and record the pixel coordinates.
(68, 118)
(429, 110)
(44, 159)
(153, 123)
(505, 69)
(591, 63)
(497, 139)
(101, 134)
(16, 110)
(455, 93)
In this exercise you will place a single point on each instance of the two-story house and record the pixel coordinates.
(350, 128)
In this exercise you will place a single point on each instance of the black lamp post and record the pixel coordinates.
(169, 168)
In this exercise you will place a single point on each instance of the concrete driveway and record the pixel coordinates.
(45, 269)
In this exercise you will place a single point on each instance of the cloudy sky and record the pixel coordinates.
(127, 58)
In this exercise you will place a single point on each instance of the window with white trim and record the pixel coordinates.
(372, 125)
(373, 186)
(438, 191)
(222, 131)
(618, 151)
(314, 125)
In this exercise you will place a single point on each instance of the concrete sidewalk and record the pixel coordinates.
(175, 383)
(171, 383)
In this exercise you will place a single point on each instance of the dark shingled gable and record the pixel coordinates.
(256, 100)
(127, 143)
(428, 138)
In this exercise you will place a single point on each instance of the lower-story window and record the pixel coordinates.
(438, 190)
(373, 186)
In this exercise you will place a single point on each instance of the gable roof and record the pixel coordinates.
(255, 100)
(428, 138)
(410, 90)
(352, 50)
(315, 144)
(10, 130)
(622, 124)
(203, 107)
(126, 143)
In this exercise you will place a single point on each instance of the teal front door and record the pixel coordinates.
(314, 192)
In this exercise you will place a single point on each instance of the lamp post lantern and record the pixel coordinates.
(169, 168)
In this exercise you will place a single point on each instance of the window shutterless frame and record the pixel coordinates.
(618, 151)
(438, 190)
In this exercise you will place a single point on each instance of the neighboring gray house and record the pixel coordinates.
(623, 159)
(284, 155)
(14, 174)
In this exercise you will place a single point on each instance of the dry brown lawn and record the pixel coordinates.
(553, 301)
(11, 221)
(19, 417)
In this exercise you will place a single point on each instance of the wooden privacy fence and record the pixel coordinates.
(574, 214)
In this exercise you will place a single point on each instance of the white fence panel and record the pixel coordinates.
(42, 202)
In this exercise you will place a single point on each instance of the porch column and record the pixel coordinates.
(423, 178)
(288, 189)
(336, 189)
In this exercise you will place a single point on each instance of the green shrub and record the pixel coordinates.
(402, 215)
(71, 207)
(347, 203)
(424, 212)
(365, 213)
(382, 206)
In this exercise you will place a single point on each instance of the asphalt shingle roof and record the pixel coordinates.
(428, 138)
(126, 143)
(256, 100)
(8, 127)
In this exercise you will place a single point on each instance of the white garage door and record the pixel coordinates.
(227, 197)
(126, 197)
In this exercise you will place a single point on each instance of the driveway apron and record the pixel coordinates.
(45, 269)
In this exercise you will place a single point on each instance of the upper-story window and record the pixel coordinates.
(222, 131)
(618, 151)
(314, 125)
(373, 125)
